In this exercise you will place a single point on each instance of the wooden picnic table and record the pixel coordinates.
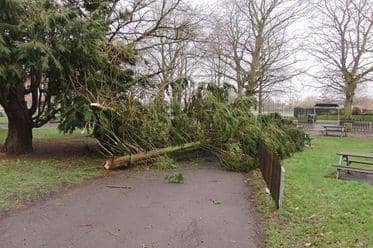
(347, 158)
(335, 128)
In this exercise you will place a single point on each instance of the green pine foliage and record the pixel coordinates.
(227, 130)
(177, 178)
(281, 136)
(45, 41)
(42, 40)
(164, 163)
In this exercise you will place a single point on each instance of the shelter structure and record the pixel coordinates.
(310, 114)
(322, 107)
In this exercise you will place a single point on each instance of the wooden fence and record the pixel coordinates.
(273, 173)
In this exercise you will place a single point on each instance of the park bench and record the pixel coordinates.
(348, 158)
(341, 130)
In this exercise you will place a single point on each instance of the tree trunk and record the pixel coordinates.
(260, 99)
(239, 89)
(19, 139)
(348, 107)
(260, 104)
(349, 99)
(123, 161)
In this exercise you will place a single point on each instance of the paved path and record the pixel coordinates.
(211, 209)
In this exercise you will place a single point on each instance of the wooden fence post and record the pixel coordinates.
(370, 126)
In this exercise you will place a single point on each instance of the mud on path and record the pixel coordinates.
(212, 209)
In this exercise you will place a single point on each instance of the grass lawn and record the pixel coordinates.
(45, 133)
(27, 178)
(326, 122)
(3, 120)
(320, 211)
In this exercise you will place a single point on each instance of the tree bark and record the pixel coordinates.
(19, 139)
(348, 107)
(124, 161)
(349, 99)
(260, 99)
(239, 89)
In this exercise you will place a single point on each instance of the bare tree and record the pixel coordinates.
(255, 44)
(343, 44)
(171, 55)
(226, 55)
(213, 64)
(132, 21)
(158, 30)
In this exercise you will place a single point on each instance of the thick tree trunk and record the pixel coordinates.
(19, 139)
(349, 99)
(260, 99)
(348, 107)
(123, 161)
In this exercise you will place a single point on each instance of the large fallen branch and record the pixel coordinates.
(124, 161)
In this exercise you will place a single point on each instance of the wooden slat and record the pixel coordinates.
(270, 166)
(355, 154)
(360, 162)
(348, 168)
(336, 127)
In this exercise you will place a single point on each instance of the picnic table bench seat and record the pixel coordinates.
(349, 168)
(333, 128)
(346, 161)
(356, 154)
(360, 162)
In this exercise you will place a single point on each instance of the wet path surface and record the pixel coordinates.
(212, 208)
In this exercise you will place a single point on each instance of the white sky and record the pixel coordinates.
(301, 84)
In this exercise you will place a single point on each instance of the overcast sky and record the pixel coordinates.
(302, 84)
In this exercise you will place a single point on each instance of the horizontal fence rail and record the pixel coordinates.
(273, 173)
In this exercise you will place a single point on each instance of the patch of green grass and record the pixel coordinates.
(25, 178)
(3, 120)
(45, 133)
(3, 134)
(318, 210)
(334, 122)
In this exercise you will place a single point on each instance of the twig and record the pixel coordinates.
(113, 234)
(86, 225)
(118, 187)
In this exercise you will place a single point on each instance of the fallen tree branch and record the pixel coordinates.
(99, 107)
(124, 161)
